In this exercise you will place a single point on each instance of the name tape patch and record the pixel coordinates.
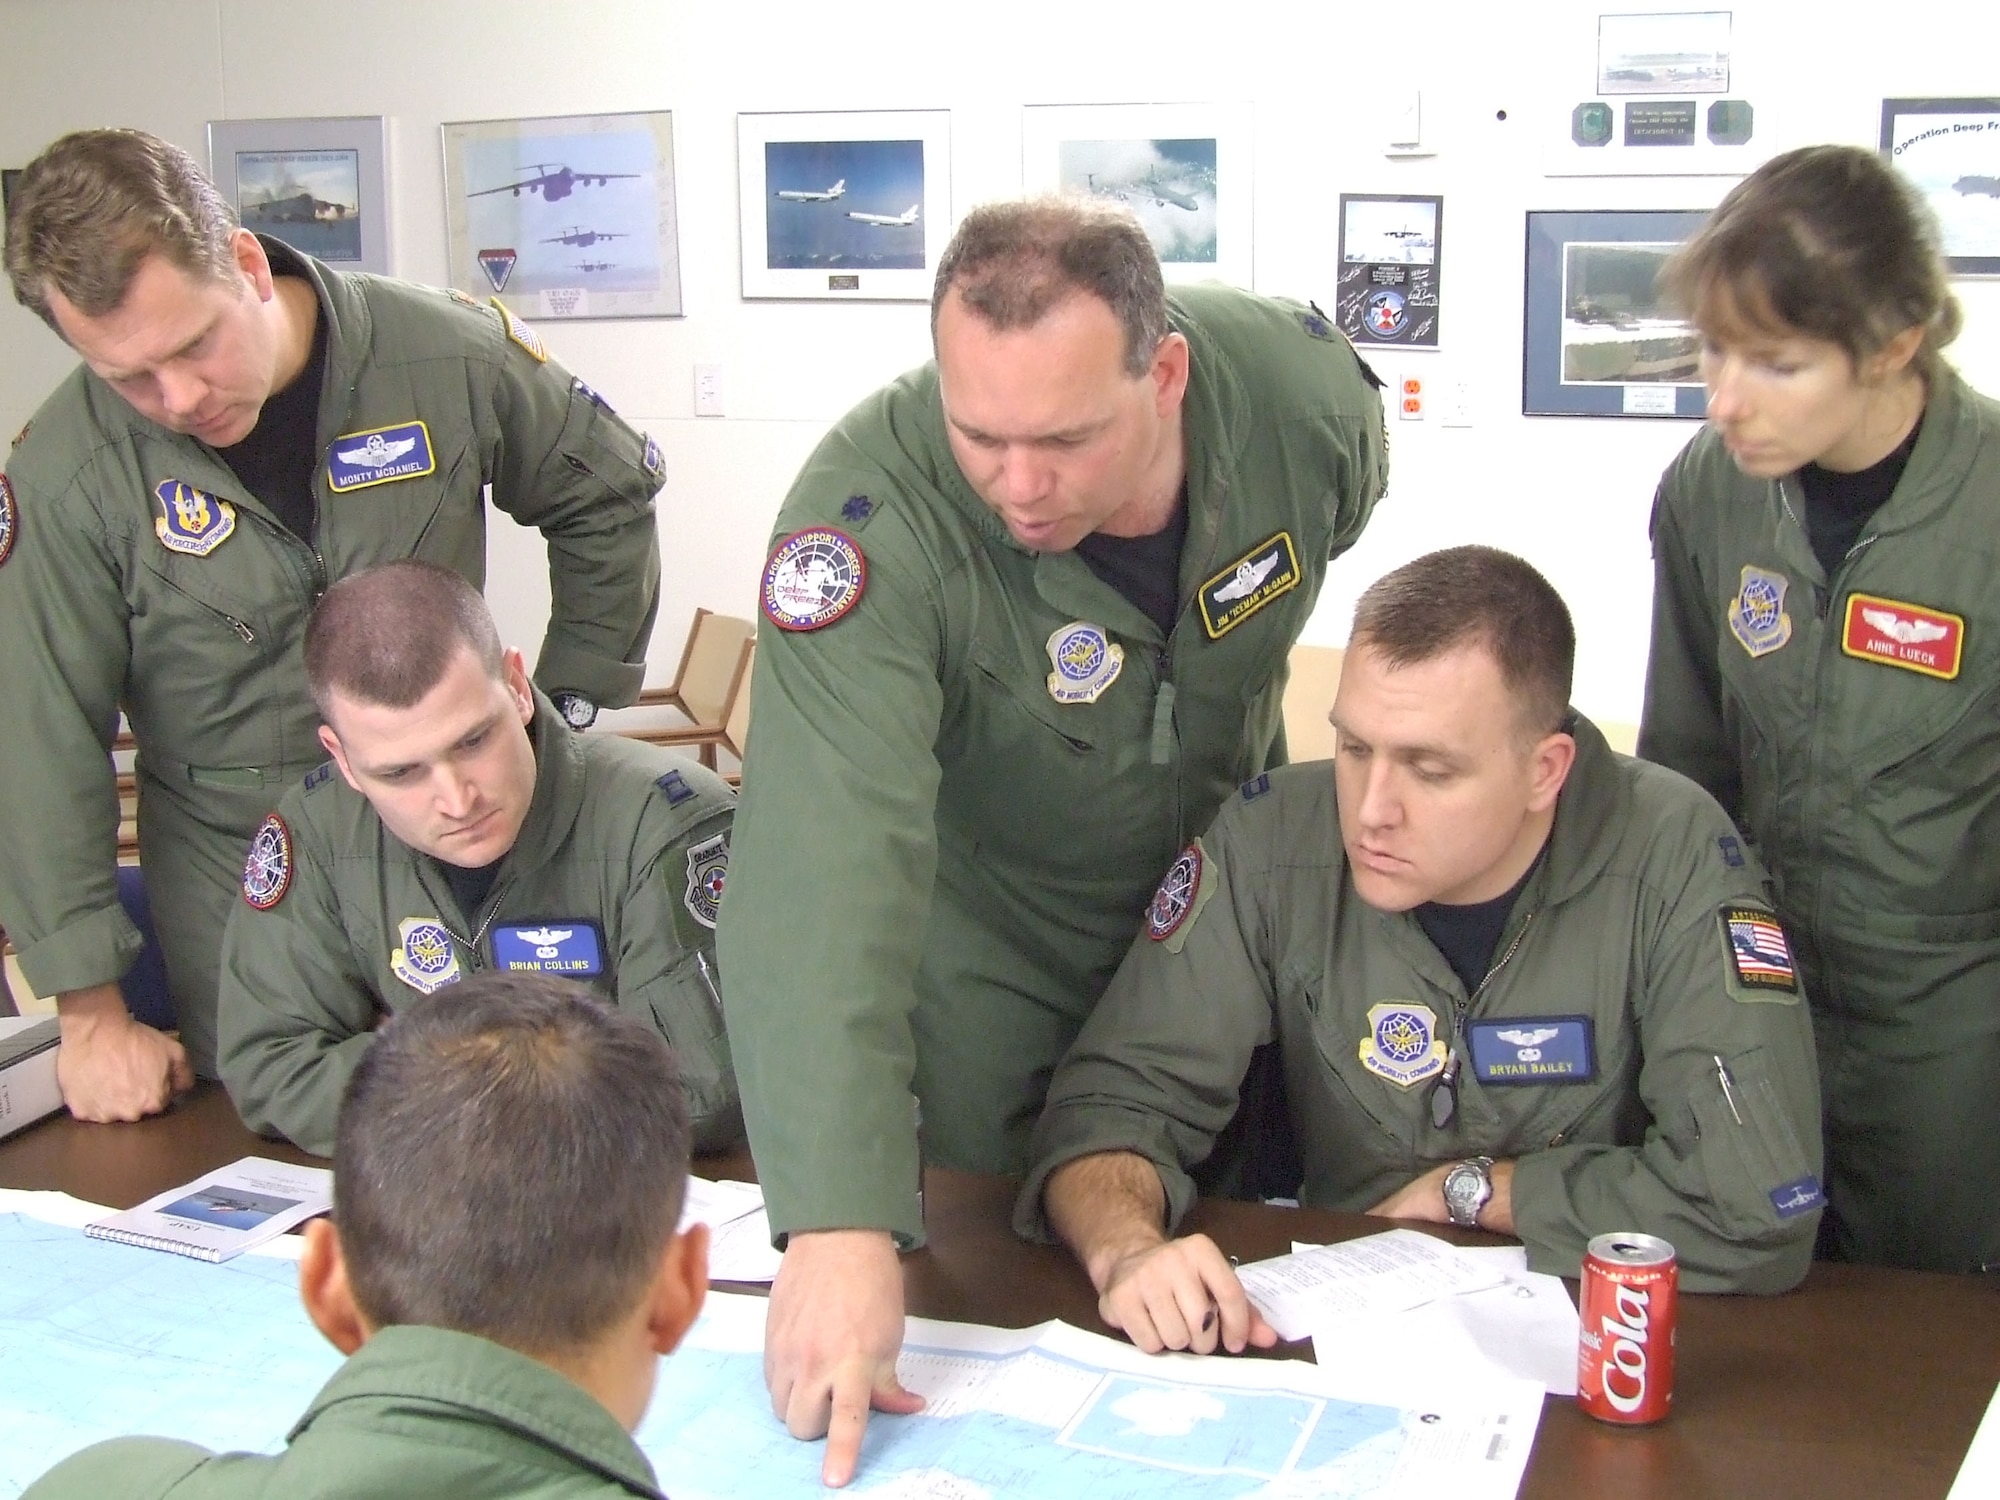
(267, 868)
(813, 578)
(379, 455)
(1256, 578)
(563, 946)
(191, 521)
(1910, 636)
(1533, 1050)
(1759, 956)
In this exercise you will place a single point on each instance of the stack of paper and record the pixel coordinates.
(739, 1232)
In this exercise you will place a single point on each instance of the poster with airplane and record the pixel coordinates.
(852, 207)
(1182, 170)
(1389, 284)
(570, 216)
(316, 184)
(1950, 149)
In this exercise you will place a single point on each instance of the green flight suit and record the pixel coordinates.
(199, 641)
(1862, 756)
(939, 864)
(416, 1411)
(616, 877)
(1592, 1052)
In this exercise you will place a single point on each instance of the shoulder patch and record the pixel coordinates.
(813, 578)
(319, 775)
(10, 518)
(1256, 787)
(1256, 578)
(1180, 898)
(1760, 960)
(267, 868)
(674, 784)
(522, 334)
(708, 870)
(655, 462)
(1800, 1195)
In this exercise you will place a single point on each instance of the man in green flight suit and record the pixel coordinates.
(1029, 609)
(1517, 981)
(248, 426)
(468, 829)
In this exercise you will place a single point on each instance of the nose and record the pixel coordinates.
(1380, 805)
(181, 390)
(457, 794)
(1024, 478)
(1724, 379)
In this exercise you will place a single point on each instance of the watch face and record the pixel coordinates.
(1466, 1190)
(577, 711)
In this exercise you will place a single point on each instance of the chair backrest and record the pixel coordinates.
(736, 728)
(708, 669)
(1308, 695)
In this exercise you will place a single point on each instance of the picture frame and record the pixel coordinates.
(844, 206)
(1390, 289)
(317, 184)
(565, 216)
(1596, 340)
(1183, 169)
(1950, 150)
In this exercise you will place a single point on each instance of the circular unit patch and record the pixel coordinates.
(813, 578)
(267, 869)
(1174, 899)
(10, 518)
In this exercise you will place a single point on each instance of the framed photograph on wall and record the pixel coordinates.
(315, 184)
(1950, 148)
(1599, 340)
(1389, 290)
(848, 207)
(1183, 169)
(566, 216)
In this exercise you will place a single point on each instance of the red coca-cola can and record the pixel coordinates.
(1625, 1348)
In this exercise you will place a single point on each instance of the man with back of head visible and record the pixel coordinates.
(502, 1266)
(1029, 609)
(1516, 980)
(468, 829)
(247, 426)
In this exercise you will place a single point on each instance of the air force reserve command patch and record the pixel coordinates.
(562, 946)
(1760, 960)
(1086, 663)
(813, 578)
(267, 868)
(1757, 615)
(1911, 636)
(708, 870)
(1402, 1044)
(10, 518)
(425, 957)
(191, 521)
(378, 455)
(1256, 578)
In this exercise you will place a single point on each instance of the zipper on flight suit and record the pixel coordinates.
(1444, 1089)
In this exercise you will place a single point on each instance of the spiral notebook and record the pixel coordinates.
(225, 1212)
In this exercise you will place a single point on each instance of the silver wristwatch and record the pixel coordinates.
(1468, 1187)
(578, 711)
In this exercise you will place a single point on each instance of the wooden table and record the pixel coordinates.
(1862, 1383)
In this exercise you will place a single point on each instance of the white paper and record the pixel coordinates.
(1387, 1272)
(225, 1212)
(739, 1231)
(1979, 1476)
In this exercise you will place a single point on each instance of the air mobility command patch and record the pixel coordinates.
(425, 958)
(1180, 898)
(708, 871)
(1402, 1044)
(1760, 960)
(267, 868)
(813, 578)
(565, 946)
(1911, 636)
(1086, 660)
(381, 454)
(1757, 615)
(10, 518)
(191, 521)
(1256, 578)
(522, 334)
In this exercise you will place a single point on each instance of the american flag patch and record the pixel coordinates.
(1757, 949)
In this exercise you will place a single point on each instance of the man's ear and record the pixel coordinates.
(253, 263)
(680, 1286)
(1170, 373)
(330, 742)
(1549, 769)
(324, 1288)
(514, 671)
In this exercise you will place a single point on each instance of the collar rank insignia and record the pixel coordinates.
(1759, 956)
(1757, 615)
(319, 775)
(813, 578)
(191, 521)
(425, 958)
(522, 334)
(1256, 786)
(1911, 636)
(566, 947)
(1174, 902)
(460, 297)
(708, 869)
(358, 460)
(588, 394)
(674, 784)
(1402, 1044)
(10, 518)
(857, 508)
(1256, 578)
(267, 868)
(1086, 663)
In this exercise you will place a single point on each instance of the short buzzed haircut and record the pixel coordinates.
(93, 206)
(385, 636)
(1477, 596)
(510, 1161)
(1014, 263)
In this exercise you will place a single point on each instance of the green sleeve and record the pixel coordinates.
(295, 1012)
(1157, 1067)
(1717, 1172)
(63, 622)
(564, 463)
(1680, 725)
(135, 1468)
(834, 855)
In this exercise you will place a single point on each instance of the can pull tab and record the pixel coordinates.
(1163, 726)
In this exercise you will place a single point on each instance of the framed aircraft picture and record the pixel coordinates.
(315, 184)
(566, 216)
(1950, 149)
(851, 207)
(1183, 170)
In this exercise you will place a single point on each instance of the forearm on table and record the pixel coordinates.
(1105, 1207)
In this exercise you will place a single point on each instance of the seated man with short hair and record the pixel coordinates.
(468, 828)
(502, 1265)
(1516, 980)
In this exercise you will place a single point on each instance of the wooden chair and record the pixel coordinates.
(1308, 695)
(128, 801)
(719, 720)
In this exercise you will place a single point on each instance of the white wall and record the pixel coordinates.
(1571, 494)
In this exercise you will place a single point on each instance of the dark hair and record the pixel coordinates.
(1827, 241)
(95, 204)
(1477, 595)
(1014, 262)
(510, 1161)
(386, 635)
